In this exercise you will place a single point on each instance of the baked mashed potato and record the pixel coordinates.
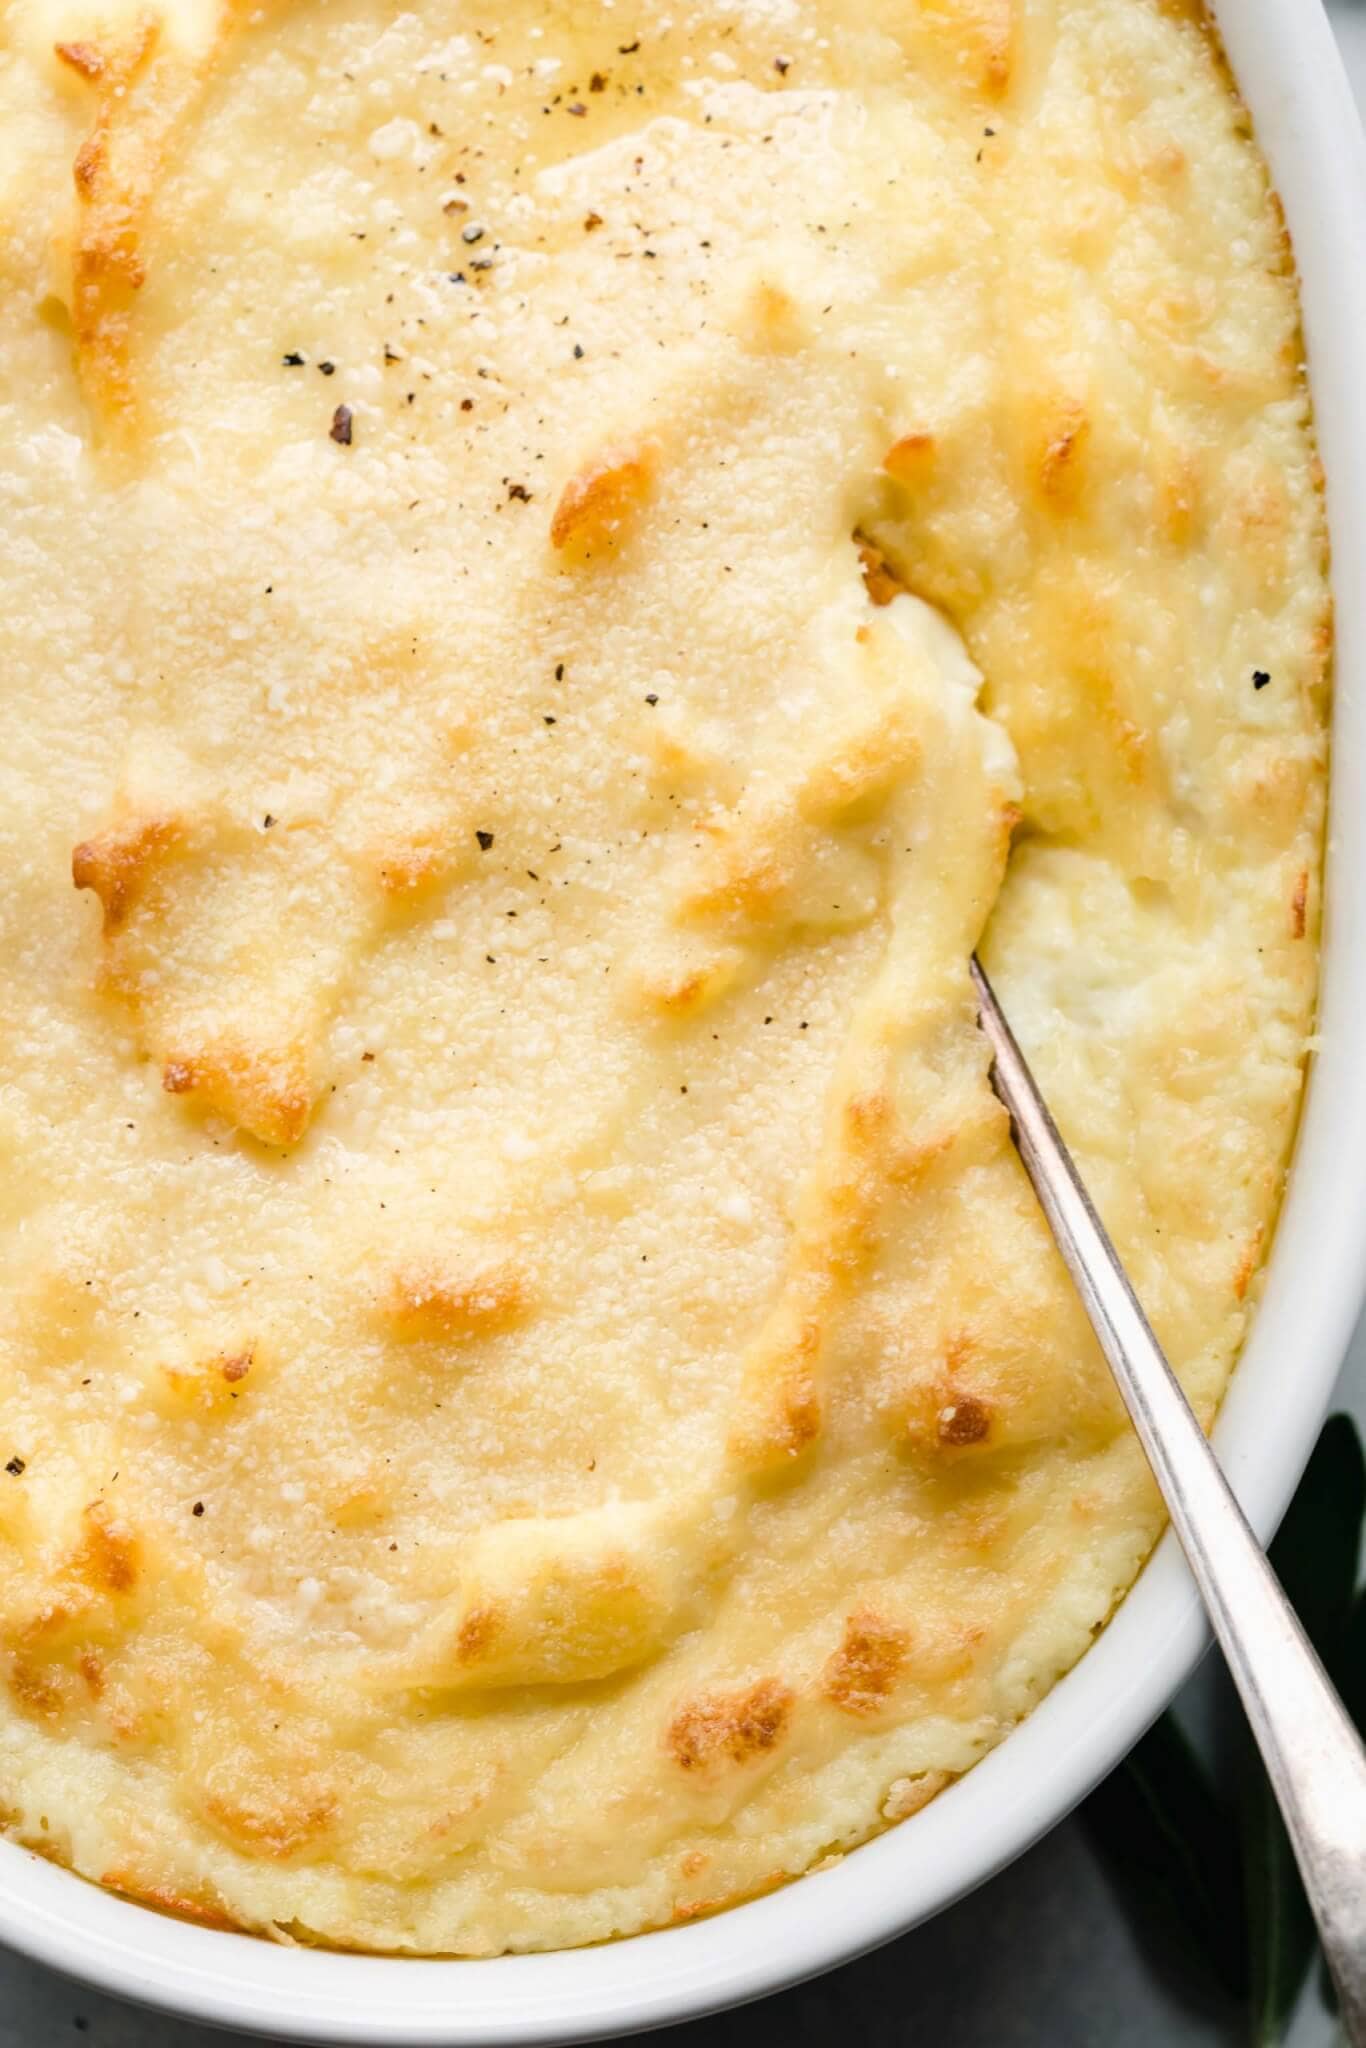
(564, 564)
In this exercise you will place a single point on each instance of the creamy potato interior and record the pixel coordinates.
(564, 564)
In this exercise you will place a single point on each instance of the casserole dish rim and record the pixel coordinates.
(1291, 77)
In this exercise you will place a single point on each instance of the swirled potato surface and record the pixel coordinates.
(564, 565)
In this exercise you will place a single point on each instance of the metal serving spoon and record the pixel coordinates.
(1311, 1750)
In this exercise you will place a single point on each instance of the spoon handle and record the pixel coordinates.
(1315, 1760)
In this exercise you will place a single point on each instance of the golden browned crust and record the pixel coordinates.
(860, 1676)
(115, 172)
(280, 1832)
(202, 1911)
(144, 87)
(87, 59)
(880, 578)
(909, 457)
(154, 874)
(266, 1089)
(978, 37)
(117, 864)
(597, 505)
(737, 1727)
(1065, 431)
(107, 1559)
(470, 1301)
(964, 1420)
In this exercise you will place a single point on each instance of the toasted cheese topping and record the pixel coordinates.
(563, 569)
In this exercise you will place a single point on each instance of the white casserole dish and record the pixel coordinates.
(1292, 80)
